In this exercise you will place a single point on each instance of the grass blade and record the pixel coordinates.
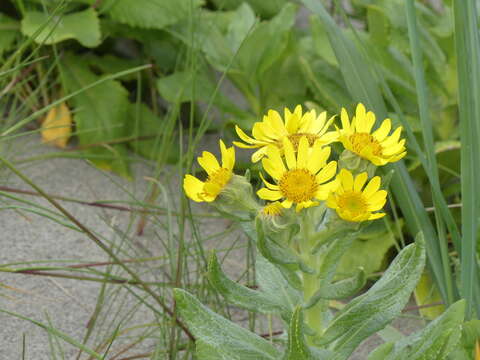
(468, 66)
(427, 133)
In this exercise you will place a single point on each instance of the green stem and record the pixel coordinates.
(313, 315)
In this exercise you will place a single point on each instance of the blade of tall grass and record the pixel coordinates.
(468, 65)
(363, 87)
(56, 333)
(427, 134)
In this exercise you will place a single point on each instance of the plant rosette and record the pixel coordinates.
(315, 207)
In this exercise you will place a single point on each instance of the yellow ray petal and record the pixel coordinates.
(376, 216)
(267, 194)
(379, 196)
(346, 178)
(208, 162)
(245, 137)
(372, 187)
(359, 181)
(345, 121)
(259, 154)
(268, 184)
(193, 187)
(289, 154)
(314, 162)
(327, 172)
(272, 169)
(381, 133)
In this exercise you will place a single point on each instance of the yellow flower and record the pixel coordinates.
(353, 204)
(218, 176)
(272, 130)
(272, 209)
(379, 147)
(302, 178)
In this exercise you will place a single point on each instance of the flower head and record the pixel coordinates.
(272, 130)
(272, 209)
(302, 178)
(379, 147)
(218, 176)
(353, 204)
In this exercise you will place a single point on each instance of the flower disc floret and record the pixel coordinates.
(302, 177)
(295, 125)
(378, 147)
(218, 176)
(354, 202)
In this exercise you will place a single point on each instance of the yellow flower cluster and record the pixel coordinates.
(294, 152)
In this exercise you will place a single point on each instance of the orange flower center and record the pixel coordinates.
(298, 185)
(362, 140)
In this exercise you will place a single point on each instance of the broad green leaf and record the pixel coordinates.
(148, 128)
(150, 14)
(111, 64)
(343, 288)
(267, 42)
(469, 341)
(265, 8)
(253, 300)
(368, 253)
(436, 341)
(274, 283)
(242, 23)
(8, 32)
(297, 348)
(101, 114)
(384, 301)
(219, 338)
(325, 81)
(82, 26)
(186, 86)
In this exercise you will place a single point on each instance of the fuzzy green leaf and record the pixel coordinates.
(219, 338)
(297, 347)
(241, 296)
(436, 341)
(373, 310)
(343, 288)
(83, 26)
(276, 284)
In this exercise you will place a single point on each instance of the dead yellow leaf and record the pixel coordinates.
(57, 126)
(477, 350)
